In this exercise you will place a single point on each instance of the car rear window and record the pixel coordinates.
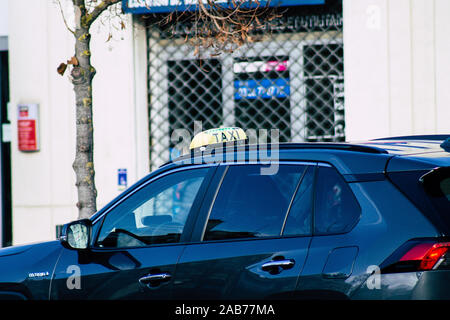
(429, 191)
(445, 187)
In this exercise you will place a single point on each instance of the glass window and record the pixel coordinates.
(299, 219)
(432, 196)
(336, 209)
(262, 94)
(155, 214)
(251, 205)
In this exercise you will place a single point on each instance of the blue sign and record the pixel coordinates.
(264, 88)
(165, 6)
(122, 179)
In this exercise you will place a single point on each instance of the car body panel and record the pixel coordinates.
(114, 274)
(384, 226)
(220, 270)
(419, 162)
(30, 270)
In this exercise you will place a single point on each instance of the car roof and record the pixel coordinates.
(410, 145)
(415, 152)
(370, 156)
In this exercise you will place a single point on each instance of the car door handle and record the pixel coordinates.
(276, 266)
(153, 280)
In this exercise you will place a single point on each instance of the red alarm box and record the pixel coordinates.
(27, 127)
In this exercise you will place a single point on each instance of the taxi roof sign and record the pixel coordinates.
(219, 135)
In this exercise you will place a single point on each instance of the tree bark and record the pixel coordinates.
(82, 74)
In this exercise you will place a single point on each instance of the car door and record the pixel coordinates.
(252, 235)
(334, 247)
(137, 244)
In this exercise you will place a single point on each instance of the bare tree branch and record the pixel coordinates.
(64, 17)
(99, 9)
(225, 28)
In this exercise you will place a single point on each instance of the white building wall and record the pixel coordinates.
(43, 183)
(4, 18)
(397, 71)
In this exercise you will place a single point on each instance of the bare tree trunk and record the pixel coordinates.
(238, 19)
(82, 74)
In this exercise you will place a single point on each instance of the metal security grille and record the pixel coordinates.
(291, 79)
(194, 94)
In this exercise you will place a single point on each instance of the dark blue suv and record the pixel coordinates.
(320, 221)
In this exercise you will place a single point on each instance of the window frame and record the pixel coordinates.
(222, 171)
(211, 195)
(316, 175)
(193, 213)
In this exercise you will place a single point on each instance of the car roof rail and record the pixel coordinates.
(343, 146)
(427, 137)
(222, 148)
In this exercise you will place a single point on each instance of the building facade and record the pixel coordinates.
(5, 139)
(325, 71)
(290, 78)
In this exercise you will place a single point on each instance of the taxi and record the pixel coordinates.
(236, 220)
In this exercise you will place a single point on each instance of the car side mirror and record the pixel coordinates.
(76, 235)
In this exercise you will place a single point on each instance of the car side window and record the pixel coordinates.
(299, 222)
(252, 205)
(153, 215)
(336, 208)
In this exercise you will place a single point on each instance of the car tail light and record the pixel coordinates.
(435, 256)
(418, 256)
